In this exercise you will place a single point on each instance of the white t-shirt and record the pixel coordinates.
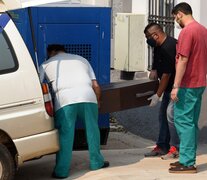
(71, 79)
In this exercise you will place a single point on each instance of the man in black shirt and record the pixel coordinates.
(164, 69)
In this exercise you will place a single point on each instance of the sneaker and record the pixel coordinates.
(183, 169)
(172, 154)
(157, 151)
(175, 164)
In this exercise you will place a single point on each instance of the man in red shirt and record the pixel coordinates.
(189, 85)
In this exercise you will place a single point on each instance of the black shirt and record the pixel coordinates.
(164, 60)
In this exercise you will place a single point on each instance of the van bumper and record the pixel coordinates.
(36, 145)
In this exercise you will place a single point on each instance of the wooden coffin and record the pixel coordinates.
(126, 95)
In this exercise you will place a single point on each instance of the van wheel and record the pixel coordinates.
(7, 167)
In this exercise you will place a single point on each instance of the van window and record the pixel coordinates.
(8, 61)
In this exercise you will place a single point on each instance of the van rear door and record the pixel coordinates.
(22, 111)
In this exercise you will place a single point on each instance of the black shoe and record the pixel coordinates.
(57, 177)
(175, 164)
(106, 164)
(183, 169)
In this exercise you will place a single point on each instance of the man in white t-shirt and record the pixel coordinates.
(76, 95)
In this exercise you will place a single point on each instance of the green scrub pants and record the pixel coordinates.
(186, 114)
(65, 119)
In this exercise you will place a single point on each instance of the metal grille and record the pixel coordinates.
(84, 50)
(160, 12)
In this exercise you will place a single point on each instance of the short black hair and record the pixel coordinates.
(183, 7)
(153, 24)
(55, 47)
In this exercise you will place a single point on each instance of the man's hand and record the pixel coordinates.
(97, 90)
(174, 94)
(153, 75)
(154, 99)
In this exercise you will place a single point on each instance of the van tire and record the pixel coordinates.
(7, 167)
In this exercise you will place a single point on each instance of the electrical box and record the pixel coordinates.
(129, 42)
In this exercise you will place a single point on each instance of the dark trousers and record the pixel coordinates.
(164, 133)
(174, 139)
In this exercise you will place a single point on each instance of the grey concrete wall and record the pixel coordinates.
(203, 12)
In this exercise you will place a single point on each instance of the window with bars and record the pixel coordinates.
(160, 12)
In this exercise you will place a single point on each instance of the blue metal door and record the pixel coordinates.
(81, 39)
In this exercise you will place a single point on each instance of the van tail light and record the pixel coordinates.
(47, 99)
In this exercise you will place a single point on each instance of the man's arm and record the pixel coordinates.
(97, 91)
(163, 84)
(180, 71)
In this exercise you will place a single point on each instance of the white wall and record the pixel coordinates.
(14, 4)
(104, 3)
(140, 6)
(87, 2)
(203, 13)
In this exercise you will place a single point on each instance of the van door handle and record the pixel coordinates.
(139, 95)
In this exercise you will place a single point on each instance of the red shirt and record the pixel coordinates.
(192, 43)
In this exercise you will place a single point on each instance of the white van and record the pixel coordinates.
(26, 128)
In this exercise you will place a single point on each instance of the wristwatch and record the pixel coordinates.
(175, 86)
